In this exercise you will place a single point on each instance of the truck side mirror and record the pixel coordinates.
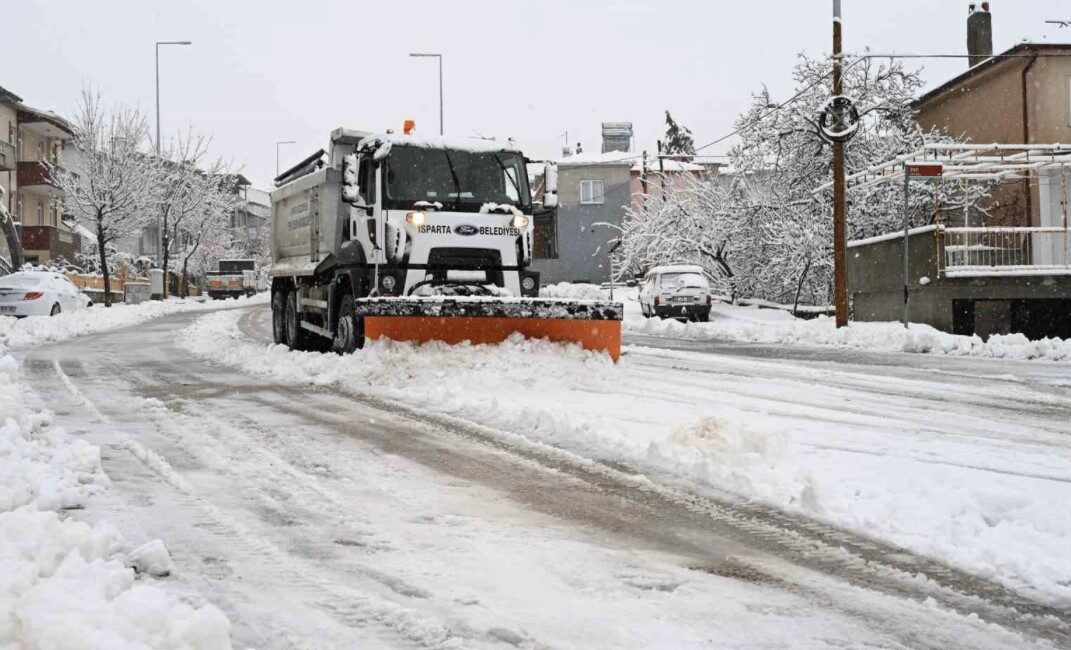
(550, 186)
(351, 188)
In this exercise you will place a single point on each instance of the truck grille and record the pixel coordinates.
(441, 260)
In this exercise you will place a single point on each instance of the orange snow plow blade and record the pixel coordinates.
(594, 325)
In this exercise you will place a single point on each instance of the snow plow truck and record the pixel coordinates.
(419, 239)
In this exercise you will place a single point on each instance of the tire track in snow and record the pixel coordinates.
(353, 608)
(861, 561)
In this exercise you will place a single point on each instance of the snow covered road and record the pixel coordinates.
(324, 517)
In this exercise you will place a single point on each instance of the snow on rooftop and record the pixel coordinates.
(668, 164)
(623, 158)
(676, 268)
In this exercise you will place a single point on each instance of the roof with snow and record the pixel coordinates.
(668, 164)
(676, 268)
(593, 158)
(1025, 48)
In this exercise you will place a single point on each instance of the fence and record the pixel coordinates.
(1005, 251)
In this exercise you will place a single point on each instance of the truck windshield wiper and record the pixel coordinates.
(457, 183)
(505, 171)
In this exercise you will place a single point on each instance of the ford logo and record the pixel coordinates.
(465, 230)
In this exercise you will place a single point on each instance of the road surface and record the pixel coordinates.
(326, 518)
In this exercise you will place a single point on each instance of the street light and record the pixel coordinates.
(277, 154)
(440, 57)
(158, 44)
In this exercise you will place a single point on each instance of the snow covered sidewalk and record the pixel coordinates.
(64, 583)
(754, 325)
(969, 471)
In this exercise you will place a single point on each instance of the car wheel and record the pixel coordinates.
(349, 332)
(55, 309)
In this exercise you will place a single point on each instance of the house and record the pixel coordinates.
(249, 221)
(595, 190)
(35, 140)
(573, 243)
(1022, 96)
(1008, 271)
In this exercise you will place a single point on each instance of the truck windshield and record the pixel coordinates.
(478, 177)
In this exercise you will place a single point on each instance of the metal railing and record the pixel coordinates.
(1005, 251)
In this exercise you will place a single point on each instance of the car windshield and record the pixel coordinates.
(458, 179)
(683, 281)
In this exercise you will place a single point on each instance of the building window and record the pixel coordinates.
(545, 236)
(11, 137)
(40, 214)
(592, 193)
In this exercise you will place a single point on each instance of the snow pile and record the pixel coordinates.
(573, 291)
(18, 334)
(730, 323)
(64, 583)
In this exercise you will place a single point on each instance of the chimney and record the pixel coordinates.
(979, 34)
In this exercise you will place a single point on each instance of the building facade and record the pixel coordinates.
(32, 141)
(1022, 96)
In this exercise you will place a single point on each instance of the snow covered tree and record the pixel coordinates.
(201, 227)
(189, 193)
(112, 189)
(678, 139)
(760, 232)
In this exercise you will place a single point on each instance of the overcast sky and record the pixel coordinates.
(259, 72)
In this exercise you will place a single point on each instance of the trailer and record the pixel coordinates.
(416, 238)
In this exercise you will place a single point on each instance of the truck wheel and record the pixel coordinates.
(278, 316)
(296, 337)
(349, 333)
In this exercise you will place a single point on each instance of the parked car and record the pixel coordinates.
(680, 291)
(39, 293)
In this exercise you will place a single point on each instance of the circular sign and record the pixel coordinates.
(838, 120)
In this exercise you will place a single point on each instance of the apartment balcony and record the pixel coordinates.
(983, 252)
(35, 177)
(7, 157)
(49, 242)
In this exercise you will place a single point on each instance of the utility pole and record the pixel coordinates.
(643, 177)
(840, 287)
(662, 171)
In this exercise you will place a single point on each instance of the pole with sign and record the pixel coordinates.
(922, 171)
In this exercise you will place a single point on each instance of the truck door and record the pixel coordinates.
(370, 228)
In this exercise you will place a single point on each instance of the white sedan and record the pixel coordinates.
(39, 293)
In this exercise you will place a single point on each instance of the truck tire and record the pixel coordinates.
(349, 332)
(296, 337)
(278, 316)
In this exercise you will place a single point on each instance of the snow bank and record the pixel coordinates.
(64, 583)
(18, 334)
(969, 500)
(573, 291)
(730, 323)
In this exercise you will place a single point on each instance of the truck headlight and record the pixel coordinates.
(528, 283)
(416, 218)
(520, 221)
(387, 282)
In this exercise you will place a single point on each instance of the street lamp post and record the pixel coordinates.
(440, 57)
(281, 142)
(160, 234)
(158, 44)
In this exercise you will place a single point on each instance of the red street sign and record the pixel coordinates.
(925, 170)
